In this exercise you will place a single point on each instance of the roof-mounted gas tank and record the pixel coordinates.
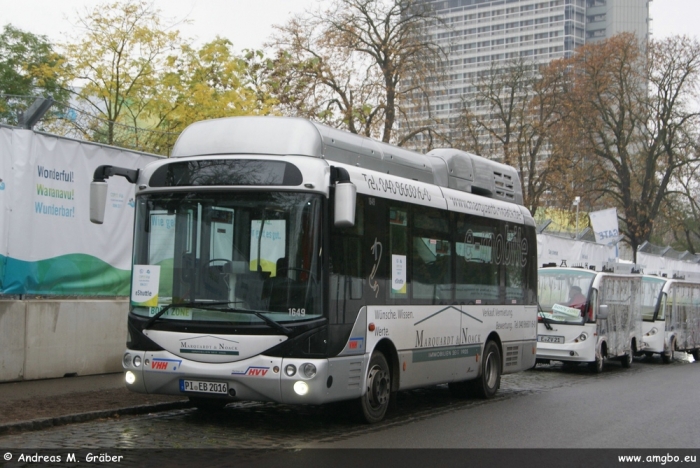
(468, 172)
(299, 137)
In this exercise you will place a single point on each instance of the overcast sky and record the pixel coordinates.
(248, 23)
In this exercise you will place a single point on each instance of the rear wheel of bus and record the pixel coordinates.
(488, 383)
(375, 402)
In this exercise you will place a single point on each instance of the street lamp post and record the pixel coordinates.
(577, 201)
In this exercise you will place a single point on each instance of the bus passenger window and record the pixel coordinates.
(431, 279)
(516, 275)
(476, 269)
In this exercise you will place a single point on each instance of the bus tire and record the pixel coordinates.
(208, 405)
(668, 358)
(375, 402)
(596, 366)
(488, 383)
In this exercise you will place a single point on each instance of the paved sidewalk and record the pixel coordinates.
(38, 404)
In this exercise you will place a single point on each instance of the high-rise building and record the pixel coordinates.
(481, 34)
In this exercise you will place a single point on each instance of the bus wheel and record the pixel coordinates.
(668, 358)
(596, 366)
(486, 385)
(208, 405)
(626, 361)
(375, 401)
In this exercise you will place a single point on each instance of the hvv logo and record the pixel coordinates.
(252, 371)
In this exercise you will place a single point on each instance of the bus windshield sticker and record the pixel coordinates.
(144, 286)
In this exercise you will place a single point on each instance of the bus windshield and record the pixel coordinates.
(563, 294)
(244, 257)
(651, 292)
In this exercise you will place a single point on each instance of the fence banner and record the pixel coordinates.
(49, 246)
(605, 226)
(5, 186)
(571, 252)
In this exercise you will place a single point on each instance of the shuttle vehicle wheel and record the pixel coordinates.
(668, 358)
(596, 366)
(626, 360)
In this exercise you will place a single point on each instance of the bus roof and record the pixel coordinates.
(286, 136)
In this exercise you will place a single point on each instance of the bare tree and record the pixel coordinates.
(511, 117)
(631, 114)
(359, 65)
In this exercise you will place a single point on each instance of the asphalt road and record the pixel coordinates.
(649, 405)
(656, 408)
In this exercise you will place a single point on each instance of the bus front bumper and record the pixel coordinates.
(260, 378)
(573, 352)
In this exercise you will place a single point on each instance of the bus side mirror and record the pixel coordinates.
(98, 188)
(603, 311)
(98, 201)
(345, 202)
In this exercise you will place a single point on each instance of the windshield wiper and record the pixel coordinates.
(545, 320)
(258, 314)
(213, 306)
(199, 305)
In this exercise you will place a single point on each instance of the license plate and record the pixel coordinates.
(550, 339)
(199, 386)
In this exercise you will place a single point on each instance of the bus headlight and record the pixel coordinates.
(137, 361)
(290, 370)
(301, 388)
(309, 370)
(652, 332)
(130, 377)
(126, 360)
(583, 336)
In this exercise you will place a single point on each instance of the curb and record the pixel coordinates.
(45, 423)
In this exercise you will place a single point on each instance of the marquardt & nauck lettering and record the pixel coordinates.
(464, 337)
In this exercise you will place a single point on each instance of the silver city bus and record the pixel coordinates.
(276, 259)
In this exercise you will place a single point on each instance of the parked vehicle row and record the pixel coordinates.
(588, 316)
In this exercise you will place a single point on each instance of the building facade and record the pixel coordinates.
(482, 34)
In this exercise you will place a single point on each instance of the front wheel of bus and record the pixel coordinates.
(488, 383)
(375, 401)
